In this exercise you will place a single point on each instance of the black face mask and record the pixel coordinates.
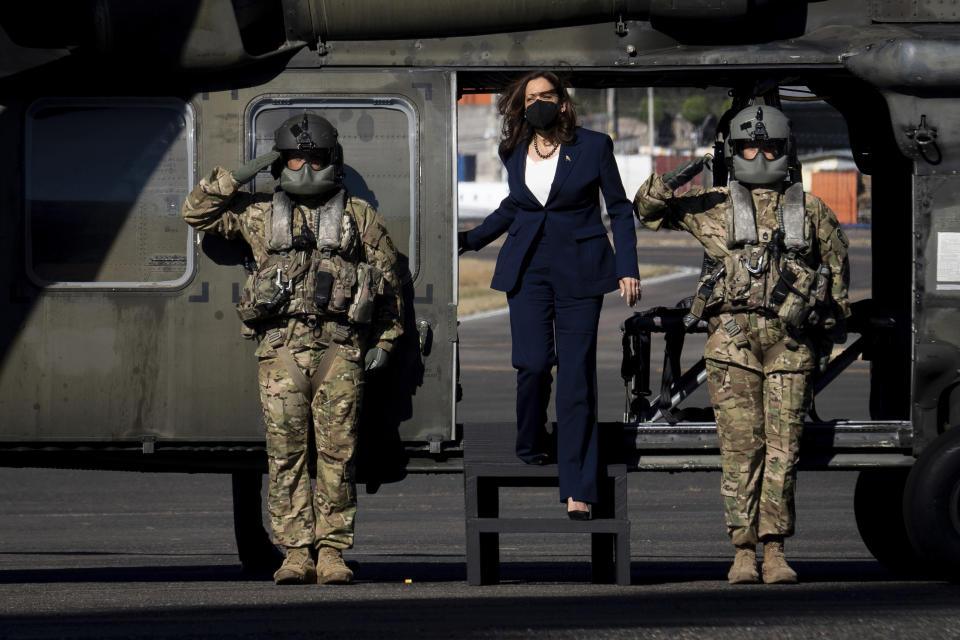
(542, 114)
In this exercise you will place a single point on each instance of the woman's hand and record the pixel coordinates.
(630, 287)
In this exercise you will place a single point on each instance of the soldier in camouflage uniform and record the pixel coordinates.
(324, 303)
(774, 286)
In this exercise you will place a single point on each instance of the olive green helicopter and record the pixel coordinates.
(120, 348)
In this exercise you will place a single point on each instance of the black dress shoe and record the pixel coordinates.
(539, 459)
(577, 514)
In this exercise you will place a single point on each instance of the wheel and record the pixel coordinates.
(257, 553)
(877, 502)
(932, 503)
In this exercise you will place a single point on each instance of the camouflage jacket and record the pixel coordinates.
(705, 213)
(216, 205)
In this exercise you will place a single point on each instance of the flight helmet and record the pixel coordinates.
(767, 127)
(311, 134)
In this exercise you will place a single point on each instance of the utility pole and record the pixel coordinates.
(612, 113)
(650, 137)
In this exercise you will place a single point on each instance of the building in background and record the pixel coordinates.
(823, 145)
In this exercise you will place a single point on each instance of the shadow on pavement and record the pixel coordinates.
(510, 612)
(434, 569)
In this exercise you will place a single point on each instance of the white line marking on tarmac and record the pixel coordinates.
(681, 272)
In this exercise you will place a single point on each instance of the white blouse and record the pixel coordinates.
(539, 176)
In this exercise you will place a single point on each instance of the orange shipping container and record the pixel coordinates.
(839, 190)
(476, 98)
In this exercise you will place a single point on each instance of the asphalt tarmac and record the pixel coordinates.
(126, 555)
(122, 555)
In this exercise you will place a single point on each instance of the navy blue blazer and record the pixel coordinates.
(582, 262)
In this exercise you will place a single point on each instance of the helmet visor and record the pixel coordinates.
(750, 149)
(317, 159)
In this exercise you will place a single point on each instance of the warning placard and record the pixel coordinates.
(948, 260)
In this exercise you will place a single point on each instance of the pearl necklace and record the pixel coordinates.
(536, 148)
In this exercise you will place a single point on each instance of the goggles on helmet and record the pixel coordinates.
(317, 159)
(750, 149)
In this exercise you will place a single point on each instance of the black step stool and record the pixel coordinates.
(490, 462)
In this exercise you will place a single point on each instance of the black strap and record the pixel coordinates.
(671, 371)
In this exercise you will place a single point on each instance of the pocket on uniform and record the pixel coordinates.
(737, 279)
(718, 376)
(729, 488)
(349, 352)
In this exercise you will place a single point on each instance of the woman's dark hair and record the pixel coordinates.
(512, 107)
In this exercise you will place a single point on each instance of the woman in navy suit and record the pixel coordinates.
(555, 265)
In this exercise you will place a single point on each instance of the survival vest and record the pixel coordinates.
(318, 273)
(765, 268)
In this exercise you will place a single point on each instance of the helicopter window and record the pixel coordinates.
(379, 140)
(105, 181)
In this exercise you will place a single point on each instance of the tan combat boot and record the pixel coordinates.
(775, 567)
(297, 568)
(744, 569)
(330, 567)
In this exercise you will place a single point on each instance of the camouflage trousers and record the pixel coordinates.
(760, 400)
(302, 515)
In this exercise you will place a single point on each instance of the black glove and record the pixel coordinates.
(837, 333)
(245, 173)
(376, 358)
(462, 245)
(823, 361)
(683, 173)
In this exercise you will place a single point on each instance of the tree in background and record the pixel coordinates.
(693, 104)
(695, 109)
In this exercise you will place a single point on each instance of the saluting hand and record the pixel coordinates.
(631, 288)
(246, 173)
(685, 172)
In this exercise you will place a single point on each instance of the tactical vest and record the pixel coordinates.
(766, 268)
(317, 274)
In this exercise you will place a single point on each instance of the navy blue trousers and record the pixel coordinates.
(549, 330)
